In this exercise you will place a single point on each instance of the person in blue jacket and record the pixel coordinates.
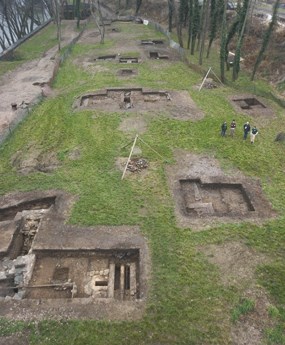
(224, 129)
(246, 130)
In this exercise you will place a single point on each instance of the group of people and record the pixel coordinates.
(253, 131)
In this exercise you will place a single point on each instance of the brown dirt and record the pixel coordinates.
(25, 85)
(178, 105)
(262, 115)
(217, 197)
(15, 339)
(237, 264)
(34, 160)
(133, 125)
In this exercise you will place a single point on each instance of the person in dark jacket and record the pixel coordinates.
(233, 127)
(224, 129)
(246, 130)
(253, 134)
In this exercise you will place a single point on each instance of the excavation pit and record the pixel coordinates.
(127, 72)
(10, 212)
(249, 103)
(128, 60)
(178, 104)
(125, 98)
(157, 56)
(254, 106)
(78, 274)
(106, 57)
(151, 42)
(206, 196)
(49, 268)
(214, 199)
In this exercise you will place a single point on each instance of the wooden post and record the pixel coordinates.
(133, 280)
(151, 148)
(122, 281)
(111, 280)
(134, 144)
(205, 78)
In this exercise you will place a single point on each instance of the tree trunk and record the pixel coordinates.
(266, 39)
(204, 31)
(223, 53)
(236, 64)
(170, 14)
(138, 6)
(78, 13)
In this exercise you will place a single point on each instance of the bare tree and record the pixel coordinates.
(204, 27)
(18, 18)
(99, 20)
(56, 11)
(171, 10)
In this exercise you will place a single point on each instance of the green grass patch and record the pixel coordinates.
(244, 307)
(272, 277)
(31, 49)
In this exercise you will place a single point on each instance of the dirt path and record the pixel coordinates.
(23, 86)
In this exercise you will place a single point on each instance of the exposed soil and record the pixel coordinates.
(34, 159)
(136, 125)
(253, 106)
(29, 82)
(15, 339)
(178, 105)
(237, 264)
(204, 195)
(133, 172)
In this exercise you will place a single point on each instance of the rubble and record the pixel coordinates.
(137, 164)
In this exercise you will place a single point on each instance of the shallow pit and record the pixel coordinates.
(205, 195)
(214, 199)
(178, 104)
(151, 42)
(9, 213)
(82, 274)
(123, 98)
(127, 72)
(249, 103)
(157, 56)
(254, 106)
(128, 60)
(107, 57)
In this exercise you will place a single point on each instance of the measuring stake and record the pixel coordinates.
(134, 144)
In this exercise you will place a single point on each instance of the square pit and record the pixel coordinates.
(97, 274)
(214, 199)
(252, 105)
(205, 196)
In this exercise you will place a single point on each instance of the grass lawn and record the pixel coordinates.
(187, 303)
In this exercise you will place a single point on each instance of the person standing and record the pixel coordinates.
(246, 130)
(224, 129)
(233, 128)
(253, 134)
